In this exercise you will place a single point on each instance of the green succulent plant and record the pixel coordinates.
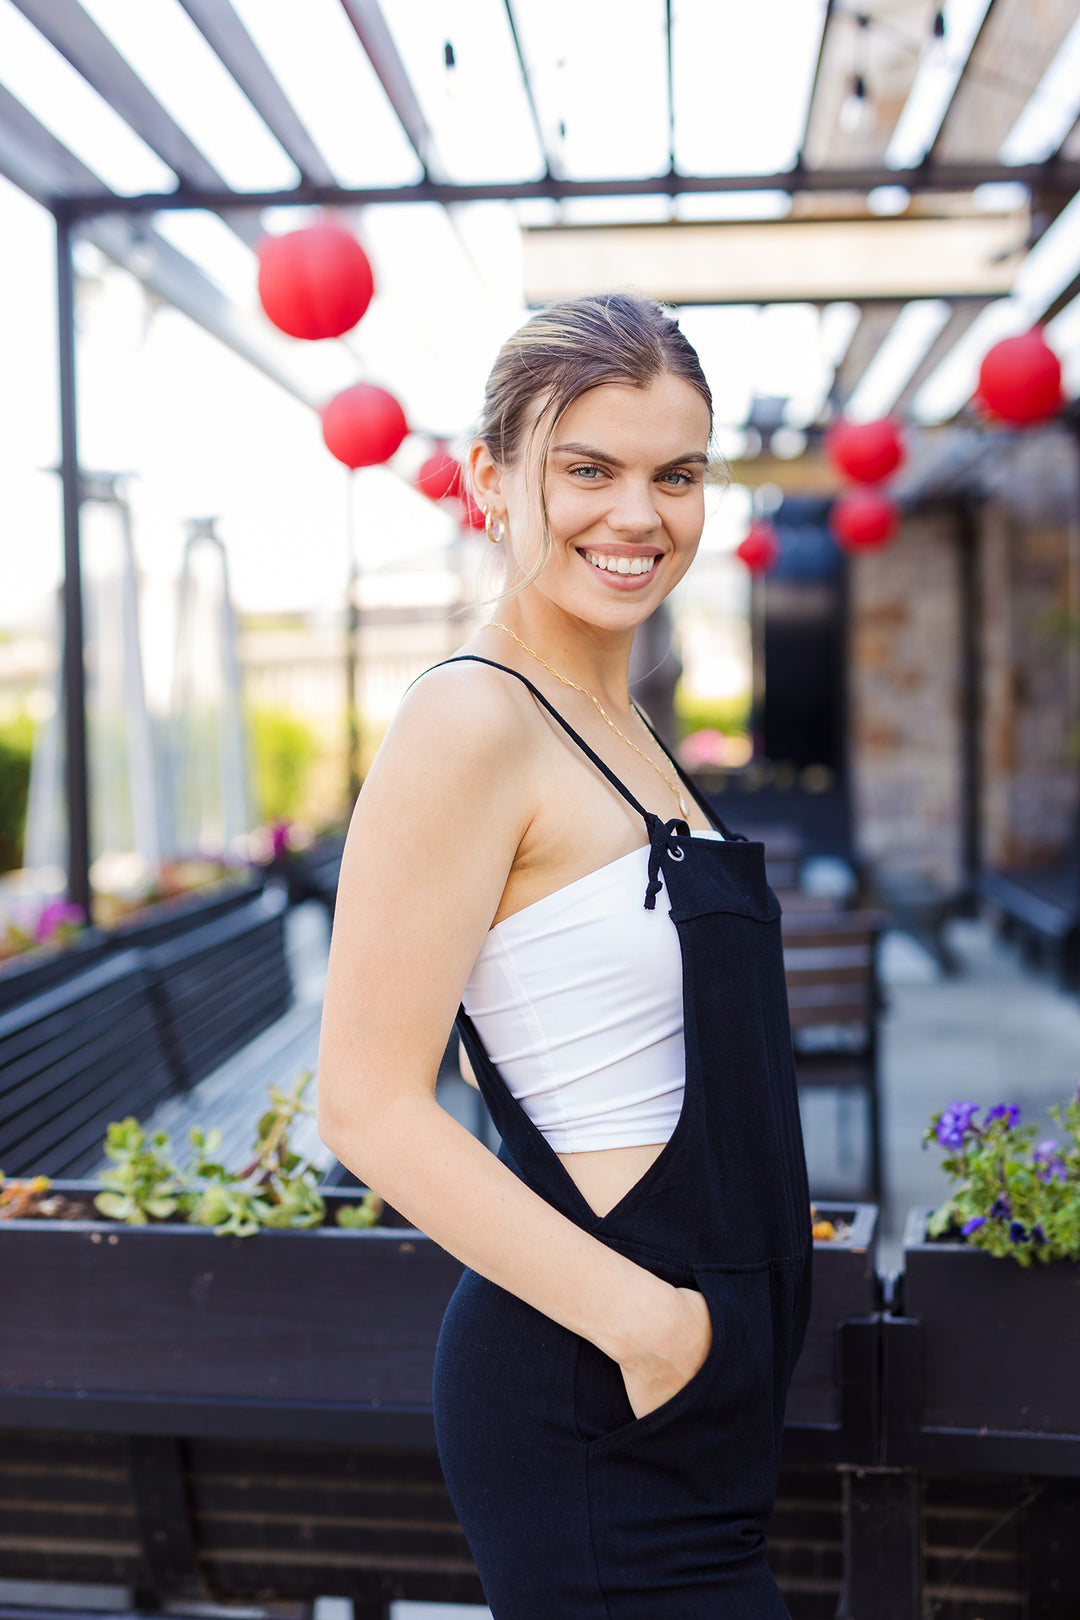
(363, 1214)
(276, 1189)
(143, 1184)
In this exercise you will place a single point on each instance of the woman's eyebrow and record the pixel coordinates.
(695, 457)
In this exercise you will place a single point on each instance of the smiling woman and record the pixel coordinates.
(611, 1371)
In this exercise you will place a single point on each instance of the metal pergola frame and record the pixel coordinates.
(42, 166)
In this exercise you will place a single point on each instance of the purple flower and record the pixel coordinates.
(1000, 1209)
(1038, 1236)
(954, 1122)
(1051, 1164)
(973, 1225)
(1018, 1232)
(1006, 1111)
(279, 838)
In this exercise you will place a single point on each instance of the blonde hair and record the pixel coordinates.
(559, 354)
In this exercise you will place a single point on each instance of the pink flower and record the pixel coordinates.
(56, 916)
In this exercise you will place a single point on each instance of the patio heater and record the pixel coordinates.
(208, 758)
(124, 826)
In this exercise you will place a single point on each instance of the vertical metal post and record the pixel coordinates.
(74, 679)
(970, 700)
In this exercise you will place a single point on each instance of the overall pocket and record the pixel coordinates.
(602, 1409)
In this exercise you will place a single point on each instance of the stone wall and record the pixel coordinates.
(1030, 705)
(906, 675)
(904, 691)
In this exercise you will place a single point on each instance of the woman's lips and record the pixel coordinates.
(614, 568)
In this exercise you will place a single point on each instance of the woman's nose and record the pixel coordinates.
(633, 511)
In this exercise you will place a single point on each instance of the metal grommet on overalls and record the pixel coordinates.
(572, 1506)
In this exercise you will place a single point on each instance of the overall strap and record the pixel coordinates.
(661, 833)
(689, 782)
(473, 658)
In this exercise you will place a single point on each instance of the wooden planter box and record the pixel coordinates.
(981, 1360)
(324, 1334)
(23, 977)
(832, 1410)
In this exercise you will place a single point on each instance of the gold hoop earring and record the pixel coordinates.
(494, 527)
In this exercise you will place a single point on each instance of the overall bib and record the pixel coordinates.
(573, 1508)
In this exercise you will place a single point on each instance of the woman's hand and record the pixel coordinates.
(673, 1349)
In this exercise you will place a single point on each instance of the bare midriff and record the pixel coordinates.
(604, 1175)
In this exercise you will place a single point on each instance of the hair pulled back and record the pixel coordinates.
(559, 354)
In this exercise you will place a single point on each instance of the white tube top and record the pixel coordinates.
(578, 1001)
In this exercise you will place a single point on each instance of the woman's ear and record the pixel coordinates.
(485, 475)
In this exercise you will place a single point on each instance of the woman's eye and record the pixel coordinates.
(678, 475)
(586, 472)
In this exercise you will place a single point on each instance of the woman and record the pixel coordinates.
(612, 1369)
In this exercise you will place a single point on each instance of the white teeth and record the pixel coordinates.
(621, 565)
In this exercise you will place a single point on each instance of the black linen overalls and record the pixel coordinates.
(573, 1508)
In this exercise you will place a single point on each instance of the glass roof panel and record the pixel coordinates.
(1052, 110)
(743, 76)
(324, 70)
(181, 71)
(599, 78)
(60, 98)
(726, 339)
(943, 61)
(706, 205)
(651, 208)
(906, 342)
(475, 102)
(214, 247)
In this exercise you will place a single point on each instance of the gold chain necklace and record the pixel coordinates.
(669, 782)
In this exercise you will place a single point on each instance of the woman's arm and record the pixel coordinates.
(434, 834)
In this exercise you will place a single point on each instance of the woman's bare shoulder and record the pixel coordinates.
(464, 712)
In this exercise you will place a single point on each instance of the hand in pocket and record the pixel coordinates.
(675, 1350)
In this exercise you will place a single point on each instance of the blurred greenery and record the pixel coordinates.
(731, 715)
(16, 739)
(286, 750)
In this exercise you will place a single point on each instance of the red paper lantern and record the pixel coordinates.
(363, 425)
(316, 282)
(439, 477)
(761, 548)
(1020, 379)
(861, 519)
(866, 451)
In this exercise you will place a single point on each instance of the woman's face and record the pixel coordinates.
(625, 498)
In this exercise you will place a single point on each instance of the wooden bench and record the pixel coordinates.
(312, 873)
(834, 997)
(218, 987)
(79, 1055)
(1042, 909)
(132, 1031)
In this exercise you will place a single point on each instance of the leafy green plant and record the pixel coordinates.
(1013, 1196)
(365, 1213)
(276, 1189)
(16, 739)
(143, 1184)
(730, 715)
(286, 747)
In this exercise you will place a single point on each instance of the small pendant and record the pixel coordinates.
(683, 806)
